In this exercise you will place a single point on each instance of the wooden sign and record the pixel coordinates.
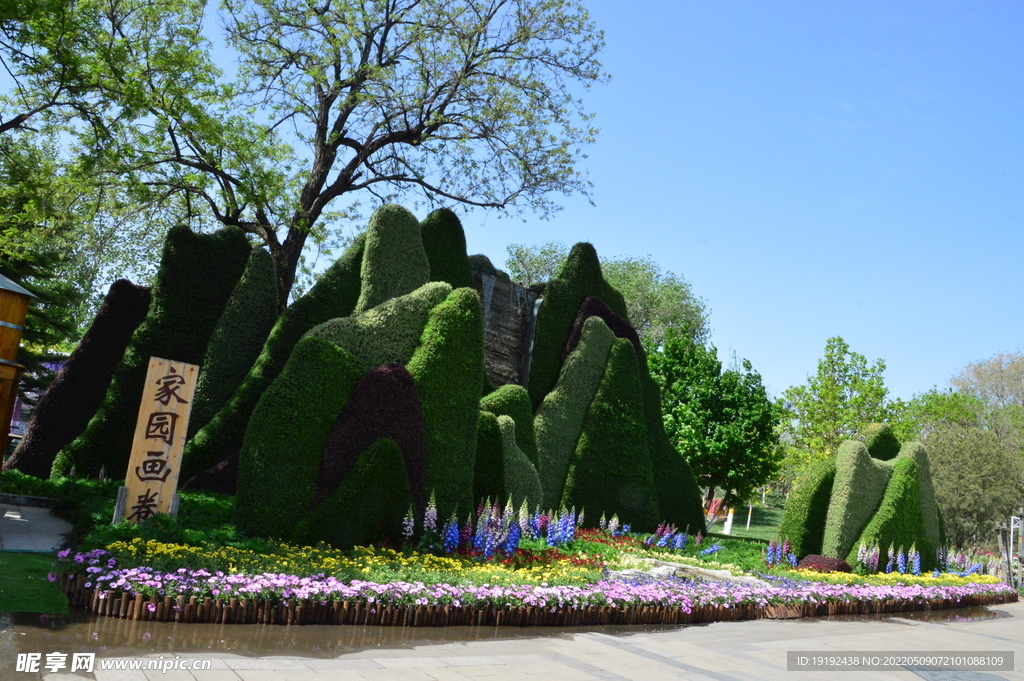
(153, 469)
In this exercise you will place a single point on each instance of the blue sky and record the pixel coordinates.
(813, 169)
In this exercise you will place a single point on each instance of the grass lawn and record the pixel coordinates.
(23, 584)
(765, 522)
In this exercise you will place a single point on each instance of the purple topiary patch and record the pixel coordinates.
(593, 307)
(383, 404)
(824, 564)
(64, 410)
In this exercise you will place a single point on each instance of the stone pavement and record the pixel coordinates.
(31, 528)
(725, 651)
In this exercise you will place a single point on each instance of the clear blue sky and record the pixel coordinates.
(814, 169)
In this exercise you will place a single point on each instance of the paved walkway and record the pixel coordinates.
(727, 651)
(30, 528)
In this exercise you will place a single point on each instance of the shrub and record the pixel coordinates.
(858, 488)
(926, 490)
(520, 475)
(824, 564)
(445, 244)
(447, 367)
(394, 263)
(514, 401)
(280, 462)
(333, 295)
(803, 519)
(611, 470)
(389, 332)
(384, 404)
(580, 277)
(559, 419)
(880, 441)
(898, 521)
(64, 410)
(593, 307)
(237, 339)
(367, 506)
(197, 274)
(489, 466)
(679, 499)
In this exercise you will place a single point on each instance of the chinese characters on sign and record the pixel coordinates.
(159, 438)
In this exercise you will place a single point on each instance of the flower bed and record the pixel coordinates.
(188, 595)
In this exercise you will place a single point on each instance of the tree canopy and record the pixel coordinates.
(723, 423)
(844, 395)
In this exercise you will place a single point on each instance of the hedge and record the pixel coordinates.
(384, 404)
(898, 521)
(447, 367)
(445, 244)
(395, 262)
(237, 339)
(77, 391)
(488, 466)
(611, 470)
(368, 506)
(803, 518)
(389, 332)
(333, 295)
(196, 276)
(858, 488)
(559, 419)
(592, 306)
(880, 441)
(520, 475)
(514, 401)
(280, 462)
(580, 277)
(679, 498)
(930, 515)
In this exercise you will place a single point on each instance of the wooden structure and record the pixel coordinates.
(155, 463)
(13, 309)
(510, 315)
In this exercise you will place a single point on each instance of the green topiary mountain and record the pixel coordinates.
(514, 401)
(488, 466)
(280, 461)
(237, 339)
(580, 277)
(367, 506)
(803, 519)
(394, 263)
(445, 244)
(559, 419)
(520, 475)
(333, 295)
(197, 274)
(447, 367)
(389, 332)
(880, 441)
(898, 521)
(611, 470)
(858, 488)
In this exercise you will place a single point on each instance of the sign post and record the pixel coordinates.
(153, 469)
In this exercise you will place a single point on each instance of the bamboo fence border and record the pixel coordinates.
(193, 610)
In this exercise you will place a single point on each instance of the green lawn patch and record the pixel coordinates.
(24, 586)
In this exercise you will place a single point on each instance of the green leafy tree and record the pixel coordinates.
(843, 396)
(655, 300)
(930, 411)
(723, 423)
(474, 102)
(977, 481)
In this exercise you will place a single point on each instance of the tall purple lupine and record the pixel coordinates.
(901, 562)
(679, 542)
(467, 532)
